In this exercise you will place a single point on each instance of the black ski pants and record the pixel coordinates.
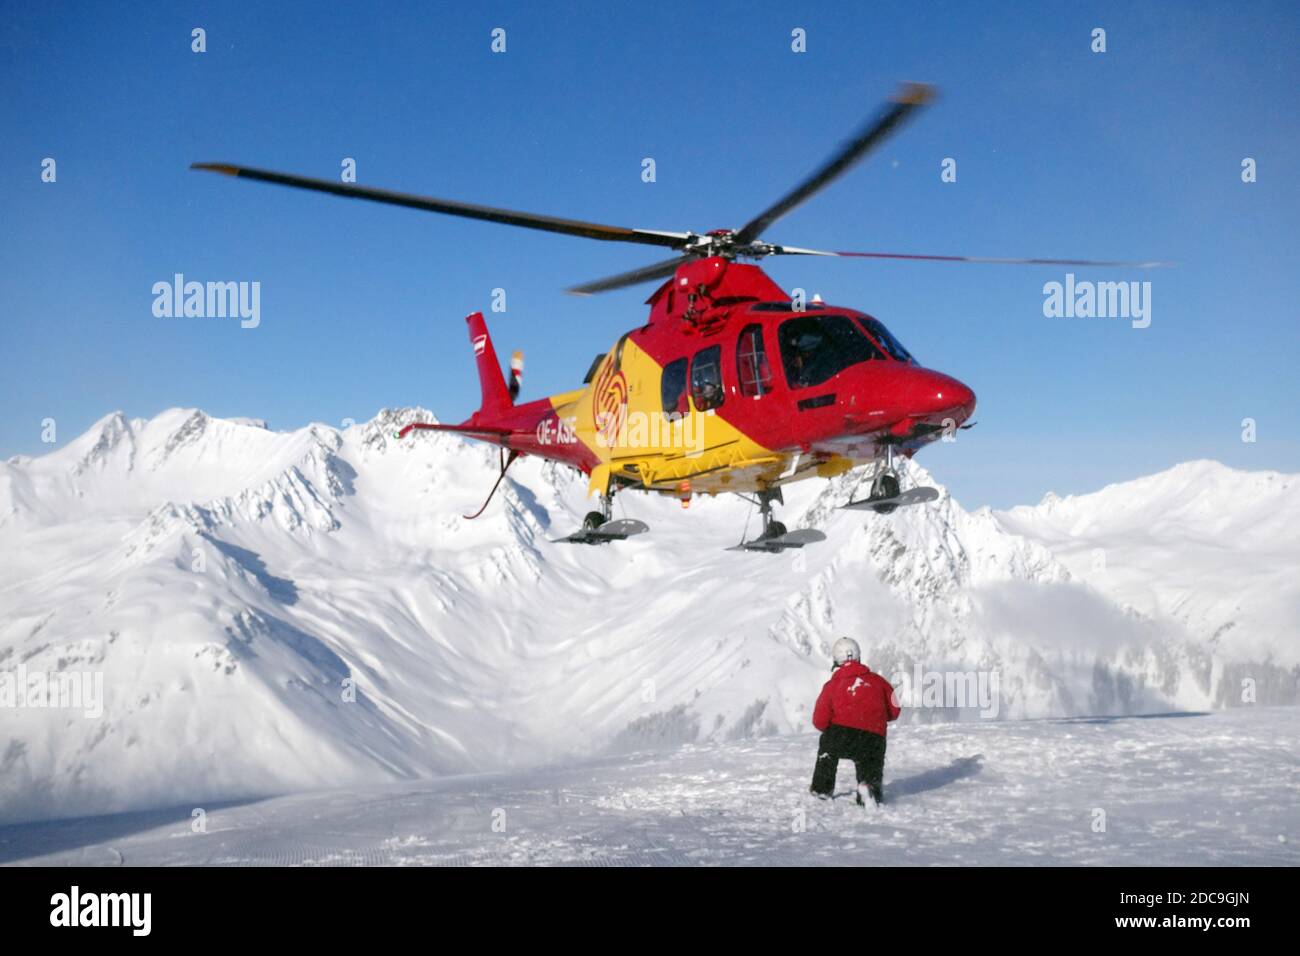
(865, 749)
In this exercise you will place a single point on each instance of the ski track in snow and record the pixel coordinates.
(1181, 789)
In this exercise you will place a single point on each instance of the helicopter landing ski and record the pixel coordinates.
(797, 538)
(912, 496)
(616, 529)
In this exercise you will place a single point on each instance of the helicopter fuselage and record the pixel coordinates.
(732, 386)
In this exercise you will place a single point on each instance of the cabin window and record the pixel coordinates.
(706, 378)
(816, 347)
(672, 388)
(751, 363)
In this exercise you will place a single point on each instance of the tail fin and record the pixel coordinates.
(496, 397)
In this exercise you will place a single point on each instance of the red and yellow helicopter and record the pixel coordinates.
(731, 385)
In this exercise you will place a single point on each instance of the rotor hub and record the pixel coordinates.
(723, 243)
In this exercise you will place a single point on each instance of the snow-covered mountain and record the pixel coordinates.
(1210, 547)
(275, 611)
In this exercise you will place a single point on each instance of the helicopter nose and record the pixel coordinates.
(939, 394)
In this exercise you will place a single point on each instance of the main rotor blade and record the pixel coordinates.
(659, 270)
(796, 251)
(571, 227)
(908, 99)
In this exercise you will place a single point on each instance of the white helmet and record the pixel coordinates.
(846, 649)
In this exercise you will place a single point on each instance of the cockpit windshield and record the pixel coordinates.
(887, 341)
(816, 347)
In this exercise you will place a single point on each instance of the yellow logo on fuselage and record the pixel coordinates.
(609, 404)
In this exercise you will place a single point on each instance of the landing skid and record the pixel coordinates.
(913, 496)
(885, 496)
(791, 539)
(618, 529)
(774, 538)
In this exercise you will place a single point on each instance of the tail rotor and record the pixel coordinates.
(516, 373)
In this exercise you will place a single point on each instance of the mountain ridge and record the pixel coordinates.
(232, 582)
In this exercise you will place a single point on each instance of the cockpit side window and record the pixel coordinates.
(816, 347)
(876, 329)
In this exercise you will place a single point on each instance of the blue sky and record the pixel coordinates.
(1134, 153)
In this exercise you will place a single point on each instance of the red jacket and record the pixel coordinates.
(855, 697)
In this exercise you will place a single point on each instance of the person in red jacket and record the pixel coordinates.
(852, 712)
